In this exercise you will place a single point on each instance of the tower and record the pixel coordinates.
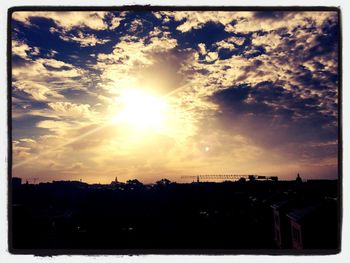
(298, 179)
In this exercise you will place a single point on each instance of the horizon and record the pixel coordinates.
(153, 94)
(180, 181)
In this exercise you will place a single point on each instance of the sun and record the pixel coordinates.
(140, 109)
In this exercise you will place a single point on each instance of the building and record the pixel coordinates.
(305, 225)
(314, 227)
(298, 179)
(282, 223)
(16, 182)
(300, 223)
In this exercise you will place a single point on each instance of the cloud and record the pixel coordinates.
(19, 151)
(51, 53)
(41, 78)
(43, 68)
(195, 20)
(259, 90)
(270, 21)
(134, 63)
(274, 117)
(84, 39)
(71, 110)
(37, 91)
(58, 127)
(115, 22)
(22, 50)
(66, 20)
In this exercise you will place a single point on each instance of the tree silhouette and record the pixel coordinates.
(163, 182)
(134, 182)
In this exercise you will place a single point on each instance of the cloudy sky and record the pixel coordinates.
(149, 95)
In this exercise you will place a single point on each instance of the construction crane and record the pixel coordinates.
(251, 177)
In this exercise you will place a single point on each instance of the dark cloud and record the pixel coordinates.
(18, 61)
(267, 92)
(232, 96)
(25, 127)
(327, 41)
(273, 15)
(209, 34)
(273, 116)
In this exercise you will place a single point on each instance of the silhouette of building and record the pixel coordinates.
(163, 182)
(16, 182)
(299, 226)
(73, 214)
(273, 178)
(116, 182)
(314, 226)
(282, 223)
(251, 178)
(305, 221)
(298, 179)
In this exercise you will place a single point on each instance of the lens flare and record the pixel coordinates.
(140, 109)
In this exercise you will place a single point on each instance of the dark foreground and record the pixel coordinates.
(230, 215)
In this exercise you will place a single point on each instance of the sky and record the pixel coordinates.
(151, 95)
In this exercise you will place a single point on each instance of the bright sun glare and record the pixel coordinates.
(140, 109)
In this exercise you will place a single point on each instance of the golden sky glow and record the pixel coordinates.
(154, 95)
